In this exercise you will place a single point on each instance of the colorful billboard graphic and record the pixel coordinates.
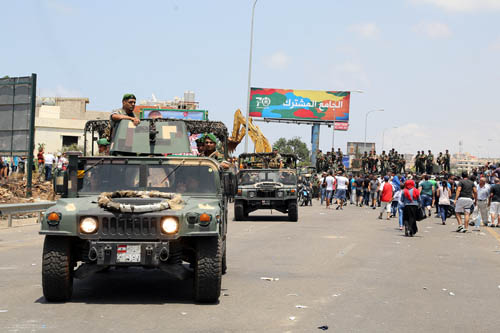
(300, 104)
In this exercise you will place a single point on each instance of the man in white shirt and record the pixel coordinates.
(330, 181)
(342, 184)
(49, 161)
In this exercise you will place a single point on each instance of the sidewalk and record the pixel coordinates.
(17, 222)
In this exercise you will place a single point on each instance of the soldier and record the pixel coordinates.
(429, 162)
(209, 150)
(402, 162)
(126, 112)
(417, 162)
(447, 161)
(103, 146)
(276, 161)
(384, 161)
(364, 162)
(319, 161)
(372, 161)
(339, 155)
(440, 161)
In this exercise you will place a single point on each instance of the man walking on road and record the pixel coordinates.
(464, 199)
(342, 183)
(374, 186)
(330, 182)
(483, 195)
(426, 189)
(386, 198)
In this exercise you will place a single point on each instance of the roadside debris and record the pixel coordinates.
(336, 295)
(269, 278)
(298, 294)
(452, 293)
(424, 288)
(301, 306)
(291, 318)
(3, 311)
(183, 313)
(323, 328)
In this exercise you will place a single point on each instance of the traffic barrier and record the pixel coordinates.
(15, 209)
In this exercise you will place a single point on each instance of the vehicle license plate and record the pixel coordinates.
(266, 202)
(128, 253)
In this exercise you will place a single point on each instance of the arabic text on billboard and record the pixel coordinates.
(300, 104)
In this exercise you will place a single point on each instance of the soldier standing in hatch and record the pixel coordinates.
(384, 161)
(209, 150)
(126, 112)
(372, 161)
(417, 162)
(276, 160)
(429, 163)
(440, 161)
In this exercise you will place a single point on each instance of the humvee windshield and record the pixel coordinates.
(257, 176)
(116, 177)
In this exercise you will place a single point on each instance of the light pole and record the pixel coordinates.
(366, 119)
(249, 78)
(383, 134)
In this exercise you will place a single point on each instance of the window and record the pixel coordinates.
(69, 140)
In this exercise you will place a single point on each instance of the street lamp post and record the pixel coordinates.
(249, 78)
(366, 119)
(335, 117)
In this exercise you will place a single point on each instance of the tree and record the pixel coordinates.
(294, 146)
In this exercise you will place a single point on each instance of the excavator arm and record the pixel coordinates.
(260, 141)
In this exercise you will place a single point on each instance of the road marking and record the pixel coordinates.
(494, 234)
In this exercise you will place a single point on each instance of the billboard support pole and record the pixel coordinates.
(314, 142)
(31, 139)
(249, 78)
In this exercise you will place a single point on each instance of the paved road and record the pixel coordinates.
(353, 272)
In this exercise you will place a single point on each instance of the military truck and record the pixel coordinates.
(266, 181)
(152, 204)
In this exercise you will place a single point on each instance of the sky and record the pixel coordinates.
(431, 65)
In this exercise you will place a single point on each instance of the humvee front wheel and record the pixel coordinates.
(208, 269)
(239, 211)
(293, 214)
(224, 261)
(57, 269)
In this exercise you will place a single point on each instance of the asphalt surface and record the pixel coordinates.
(343, 269)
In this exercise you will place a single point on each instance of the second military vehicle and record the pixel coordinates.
(266, 181)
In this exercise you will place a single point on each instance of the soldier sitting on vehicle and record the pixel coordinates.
(103, 146)
(209, 150)
(276, 161)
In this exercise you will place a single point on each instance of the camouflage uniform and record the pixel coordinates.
(429, 163)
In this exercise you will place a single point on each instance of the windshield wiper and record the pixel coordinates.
(173, 170)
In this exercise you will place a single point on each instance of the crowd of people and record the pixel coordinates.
(474, 198)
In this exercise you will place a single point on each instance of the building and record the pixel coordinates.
(60, 121)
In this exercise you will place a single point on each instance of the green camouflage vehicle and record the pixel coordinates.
(152, 204)
(266, 181)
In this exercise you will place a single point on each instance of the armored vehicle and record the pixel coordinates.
(152, 203)
(266, 181)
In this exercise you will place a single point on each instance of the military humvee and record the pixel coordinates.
(265, 183)
(152, 204)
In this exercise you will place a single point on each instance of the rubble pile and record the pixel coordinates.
(14, 191)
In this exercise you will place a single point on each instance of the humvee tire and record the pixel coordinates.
(239, 210)
(57, 269)
(208, 269)
(224, 262)
(293, 214)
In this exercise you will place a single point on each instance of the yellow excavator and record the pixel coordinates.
(260, 141)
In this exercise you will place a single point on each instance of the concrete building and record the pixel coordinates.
(59, 121)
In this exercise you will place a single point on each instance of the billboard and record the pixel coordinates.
(174, 114)
(16, 114)
(300, 104)
(360, 147)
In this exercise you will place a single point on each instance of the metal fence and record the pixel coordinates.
(15, 209)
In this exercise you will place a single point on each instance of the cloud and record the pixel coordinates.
(462, 5)
(434, 30)
(278, 60)
(59, 91)
(365, 30)
(349, 76)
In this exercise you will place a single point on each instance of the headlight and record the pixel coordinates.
(280, 194)
(251, 194)
(88, 225)
(169, 225)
